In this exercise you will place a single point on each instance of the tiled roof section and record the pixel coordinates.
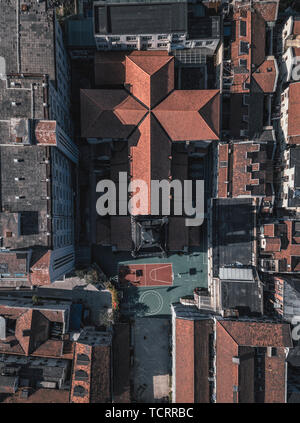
(235, 382)
(275, 374)
(190, 115)
(294, 105)
(100, 390)
(91, 379)
(32, 332)
(296, 27)
(227, 374)
(269, 229)
(150, 78)
(272, 244)
(45, 132)
(241, 14)
(40, 270)
(289, 252)
(185, 357)
(192, 360)
(258, 334)
(267, 9)
(150, 149)
(266, 75)
(109, 113)
(80, 389)
(32, 329)
(245, 169)
(258, 39)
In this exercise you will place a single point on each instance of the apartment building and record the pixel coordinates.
(290, 48)
(155, 25)
(44, 347)
(226, 360)
(38, 155)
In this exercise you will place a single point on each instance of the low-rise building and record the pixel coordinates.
(227, 360)
(245, 169)
(279, 249)
(155, 25)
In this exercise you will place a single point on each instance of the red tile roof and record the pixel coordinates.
(109, 113)
(269, 229)
(289, 250)
(258, 334)
(181, 115)
(40, 270)
(294, 106)
(185, 372)
(32, 332)
(268, 10)
(149, 145)
(235, 382)
(150, 78)
(190, 115)
(45, 132)
(96, 385)
(266, 75)
(237, 171)
(296, 27)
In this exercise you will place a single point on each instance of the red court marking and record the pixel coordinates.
(152, 274)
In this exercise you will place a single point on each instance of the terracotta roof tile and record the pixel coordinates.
(45, 132)
(187, 115)
(296, 27)
(109, 113)
(258, 334)
(150, 149)
(272, 244)
(269, 229)
(266, 75)
(235, 383)
(151, 78)
(268, 10)
(294, 105)
(40, 270)
(185, 361)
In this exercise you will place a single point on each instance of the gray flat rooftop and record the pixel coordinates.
(243, 296)
(28, 48)
(233, 225)
(147, 18)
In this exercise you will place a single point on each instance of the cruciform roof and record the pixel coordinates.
(150, 114)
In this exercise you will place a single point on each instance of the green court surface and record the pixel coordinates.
(189, 272)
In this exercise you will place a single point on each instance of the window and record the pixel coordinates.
(146, 38)
(244, 47)
(243, 28)
(79, 391)
(243, 63)
(131, 38)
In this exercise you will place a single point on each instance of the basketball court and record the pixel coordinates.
(150, 274)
